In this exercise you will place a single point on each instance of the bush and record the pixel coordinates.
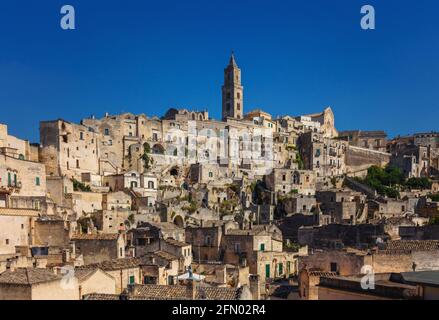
(79, 186)
(434, 221)
(384, 181)
(418, 183)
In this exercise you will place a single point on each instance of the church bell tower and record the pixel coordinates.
(233, 100)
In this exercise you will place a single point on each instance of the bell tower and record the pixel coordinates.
(233, 100)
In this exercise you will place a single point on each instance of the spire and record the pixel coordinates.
(232, 61)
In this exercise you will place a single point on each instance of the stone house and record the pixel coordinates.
(206, 240)
(375, 140)
(50, 231)
(160, 267)
(22, 183)
(413, 160)
(388, 208)
(344, 206)
(125, 271)
(325, 156)
(17, 228)
(68, 149)
(261, 248)
(148, 232)
(101, 247)
(94, 281)
(181, 250)
(298, 204)
(36, 284)
(116, 200)
(286, 181)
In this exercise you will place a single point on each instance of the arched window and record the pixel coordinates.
(150, 185)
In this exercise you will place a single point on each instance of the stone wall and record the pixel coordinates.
(359, 159)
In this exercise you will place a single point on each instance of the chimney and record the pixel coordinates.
(255, 286)
(191, 289)
(221, 275)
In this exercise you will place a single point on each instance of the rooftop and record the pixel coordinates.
(412, 245)
(28, 276)
(178, 292)
(115, 264)
(97, 236)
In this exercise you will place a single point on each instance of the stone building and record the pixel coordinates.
(288, 181)
(375, 140)
(36, 284)
(97, 248)
(16, 147)
(22, 183)
(68, 149)
(344, 206)
(324, 156)
(125, 271)
(206, 240)
(430, 139)
(16, 229)
(413, 160)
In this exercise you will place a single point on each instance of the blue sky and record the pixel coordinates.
(147, 56)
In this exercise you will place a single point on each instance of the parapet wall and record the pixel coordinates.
(358, 160)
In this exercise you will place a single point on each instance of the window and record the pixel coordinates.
(239, 95)
(106, 131)
(318, 153)
(37, 181)
(210, 174)
(267, 271)
(284, 177)
(208, 241)
(77, 164)
(81, 135)
(132, 280)
(120, 252)
(9, 179)
(281, 268)
(334, 267)
(237, 247)
(262, 246)
(150, 185)
(238, 106)
(7, 241)
(22, 226)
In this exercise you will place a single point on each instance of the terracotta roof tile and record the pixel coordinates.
(412, 245)
(98, 236)
(115, 264)
(28, 276)
(178, 292)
